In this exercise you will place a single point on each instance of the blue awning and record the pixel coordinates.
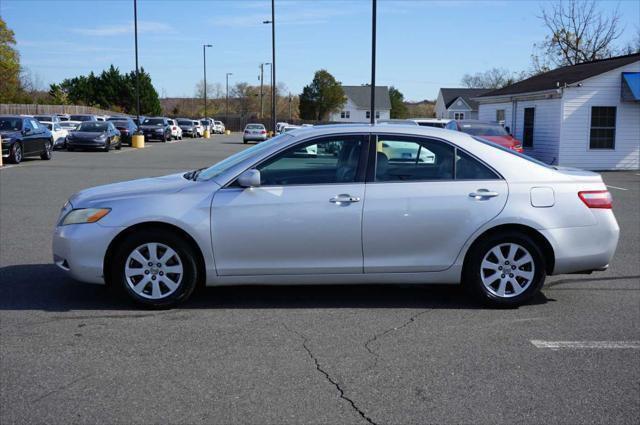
(630, 87)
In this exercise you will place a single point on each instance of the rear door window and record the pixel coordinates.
(401, 158)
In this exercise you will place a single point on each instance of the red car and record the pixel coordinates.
(492, 131)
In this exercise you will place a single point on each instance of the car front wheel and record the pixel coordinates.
(505, 270)
(155, 268)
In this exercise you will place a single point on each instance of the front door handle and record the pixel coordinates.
(483, 194)
(344, 199)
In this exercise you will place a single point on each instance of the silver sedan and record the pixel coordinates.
(344, 204)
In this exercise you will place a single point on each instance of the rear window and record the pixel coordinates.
(184, 122)
(81, 118)
(483, 129)
(255, 127)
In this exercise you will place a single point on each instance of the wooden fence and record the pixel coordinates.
(36, 109)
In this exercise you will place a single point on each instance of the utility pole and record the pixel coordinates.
(135, 27)
(289, 106)
(273, 64)
(204, 57)
(373, 62)
(261, 89)
(226, 114)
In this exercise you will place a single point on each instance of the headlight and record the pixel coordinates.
(7, 140)
(85, 215)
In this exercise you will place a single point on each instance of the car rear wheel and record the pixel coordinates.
(505, 270)
(47, 153)
(15, 153)
(156, 268)
(119, 145)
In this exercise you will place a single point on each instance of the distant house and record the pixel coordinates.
(458, 104)
(358, 105)
(585, 116)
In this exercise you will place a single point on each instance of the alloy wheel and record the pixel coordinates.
(17, 153)
(153, 270)
(507, 270)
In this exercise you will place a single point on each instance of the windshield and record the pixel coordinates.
(81, 118)
(43, 118)
(93, 127)
(121, 123)
(512, 152)
(10, 124)
(205, 122)
(153, 121)
(224, 165)
(185, 122)
(483, 129)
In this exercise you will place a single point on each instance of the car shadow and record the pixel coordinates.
(44, 287)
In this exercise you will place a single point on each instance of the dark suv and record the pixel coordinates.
(156, 128)
(24, 136)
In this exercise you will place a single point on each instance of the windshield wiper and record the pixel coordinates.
(192, 175)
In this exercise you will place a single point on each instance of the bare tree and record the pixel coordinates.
(579, 32)
(494, 78)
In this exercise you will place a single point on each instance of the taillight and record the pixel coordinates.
(517, 147)
(596, 198)
(263, 132)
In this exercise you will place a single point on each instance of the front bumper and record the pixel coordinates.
(585, 248)
(153, 136)
(75, 143)
(79, 250)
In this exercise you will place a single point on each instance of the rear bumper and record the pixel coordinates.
(254, 137)
(79, 250)
(586, 248)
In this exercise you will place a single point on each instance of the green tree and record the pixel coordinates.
(149, 99)
(322, 96)
(398, 108)
(9, 65)
(58, 95)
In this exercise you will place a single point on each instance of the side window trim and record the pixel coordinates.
(360, 175)
(372, 159)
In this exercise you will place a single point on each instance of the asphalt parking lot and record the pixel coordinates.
(77, 353)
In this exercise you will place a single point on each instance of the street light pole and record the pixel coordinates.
(273, 63)
(289, 106)
(226, 114)
(373, 63)
(135, 30)
(204, 59)
(261, 89)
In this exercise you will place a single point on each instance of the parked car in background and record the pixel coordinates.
(176, 131)
(58, 133)
(118, 118)
(280, 126)
(63, 117)
(94, 135)
(395, 121)
(101, 117)
(47, 118)
(219, 127)
(491, 131)
(254, 133)
(479, 215)
(187, 127)
(156, 128)
(126, 127)
(198, 127)
(431, 122)
(138, 123)
(24, 136)
(207, 124)
(83, 117)
(69, 125)
(288, 127)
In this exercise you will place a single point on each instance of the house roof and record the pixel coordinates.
(361, 96)
(449, 95)
(565, 75)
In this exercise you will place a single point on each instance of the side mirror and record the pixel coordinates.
(26, 131)
(250, 178)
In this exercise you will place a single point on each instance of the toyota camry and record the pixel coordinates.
(372, 204)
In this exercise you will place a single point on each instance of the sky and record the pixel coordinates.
(422, 44)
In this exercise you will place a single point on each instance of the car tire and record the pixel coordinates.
(15, 153)
(48, 150)
(107, 146)
(505, 270)
(119, 145)
(70, 149)
(244, 141)
(152, 285)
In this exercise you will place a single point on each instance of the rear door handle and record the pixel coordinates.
(483, 193)
(344, 199)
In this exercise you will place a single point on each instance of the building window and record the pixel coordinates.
(527, 132)
(603, 127)
(368, 115)
(345, 114)
(500, 116)
(377, 114)
(458, 115)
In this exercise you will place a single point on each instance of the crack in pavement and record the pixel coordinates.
(328, 377)
(367, 344)
(62, 387)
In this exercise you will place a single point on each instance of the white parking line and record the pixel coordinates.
(616, 187)
(609, 345)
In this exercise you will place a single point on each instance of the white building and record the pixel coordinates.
(358, 105)
(585, 116)
(458, 104)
